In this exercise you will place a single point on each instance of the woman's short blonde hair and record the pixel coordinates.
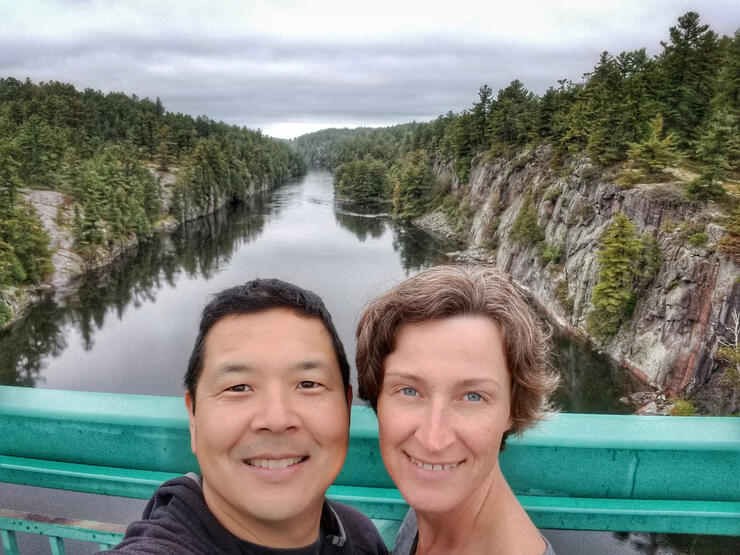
(446, 291)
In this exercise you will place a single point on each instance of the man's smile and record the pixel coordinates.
(274, 462)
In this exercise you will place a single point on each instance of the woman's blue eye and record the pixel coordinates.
(410, 391)
(473, 396)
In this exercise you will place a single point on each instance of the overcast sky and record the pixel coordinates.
(291, 67)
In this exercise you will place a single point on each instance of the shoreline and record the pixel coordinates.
(70, 268)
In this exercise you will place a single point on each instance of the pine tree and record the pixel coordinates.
(688, 67)
(463, 133)
(525, 228)
(164, 148)
(480, 114)
(653, 154)
(513, 116)
(413, 188)
(619, 265)
(605, 143)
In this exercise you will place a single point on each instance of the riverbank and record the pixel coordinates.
(56, 213)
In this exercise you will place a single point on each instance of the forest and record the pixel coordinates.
(103, 151)
(637, 113)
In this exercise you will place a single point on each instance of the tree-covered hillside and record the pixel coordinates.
(641, 113)
(99, 150)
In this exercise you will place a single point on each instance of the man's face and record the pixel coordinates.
(270, 424)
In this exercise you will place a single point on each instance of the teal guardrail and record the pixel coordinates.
(575, 471)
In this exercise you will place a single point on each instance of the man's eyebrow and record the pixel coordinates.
(310, 364)
(230, 368)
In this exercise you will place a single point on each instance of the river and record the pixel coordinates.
(128, 328)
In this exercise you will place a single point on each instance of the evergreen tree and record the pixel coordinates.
(463, 136)
(362, 180)
(413, 186)
(613, 297)
(603, 97)
(719, 146)
(480, 113)
(688, 68)
(24, 245)
(525, 228)
(654, 153)
(513, 116)
(164, 148)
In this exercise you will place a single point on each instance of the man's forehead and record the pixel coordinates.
(278, 329)
(281, 319)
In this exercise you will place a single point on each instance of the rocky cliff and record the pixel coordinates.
(672, 337)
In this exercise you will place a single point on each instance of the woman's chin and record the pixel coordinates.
(429, 502)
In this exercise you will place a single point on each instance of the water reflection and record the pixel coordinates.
(590, 382)
(25, 345)
(362, 224)
(197, 249)
(124, 328)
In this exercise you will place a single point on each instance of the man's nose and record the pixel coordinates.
(435, 432)
(276, 412)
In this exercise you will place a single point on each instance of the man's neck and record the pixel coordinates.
(299, 531)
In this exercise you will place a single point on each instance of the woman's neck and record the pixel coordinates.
(491, 522)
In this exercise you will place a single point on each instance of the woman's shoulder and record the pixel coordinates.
(407, 533)
(548, 548)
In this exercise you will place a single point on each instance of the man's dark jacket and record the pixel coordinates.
(177, 520)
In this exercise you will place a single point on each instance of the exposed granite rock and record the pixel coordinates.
(436, 222)
(55, 213)
(671, 340)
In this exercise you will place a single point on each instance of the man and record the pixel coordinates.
(268, 398)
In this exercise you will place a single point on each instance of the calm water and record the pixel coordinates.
(124, 328)
(129, 329)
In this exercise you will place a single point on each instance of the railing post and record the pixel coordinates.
(57, 545)
(10, 544)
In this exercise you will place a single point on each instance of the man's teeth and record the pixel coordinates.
(274, 463)
(435, 467)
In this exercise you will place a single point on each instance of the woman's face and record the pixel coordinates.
(443, 409)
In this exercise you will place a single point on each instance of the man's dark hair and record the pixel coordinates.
(256, 296)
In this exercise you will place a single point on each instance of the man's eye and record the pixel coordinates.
(240, 387)
(409, 391)
(473, 396)
(307, 384)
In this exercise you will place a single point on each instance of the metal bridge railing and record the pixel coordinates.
(575, 471)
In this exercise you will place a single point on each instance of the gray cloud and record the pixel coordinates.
(257, 80)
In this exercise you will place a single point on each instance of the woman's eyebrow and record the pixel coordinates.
(476, 382)
(400, 375)
(469, 382)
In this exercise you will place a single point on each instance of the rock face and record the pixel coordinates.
(54, 209)
(671, 340)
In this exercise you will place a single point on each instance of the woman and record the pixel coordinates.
(453, 360)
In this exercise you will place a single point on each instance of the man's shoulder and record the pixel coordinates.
(175, 520)
(361, 535)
